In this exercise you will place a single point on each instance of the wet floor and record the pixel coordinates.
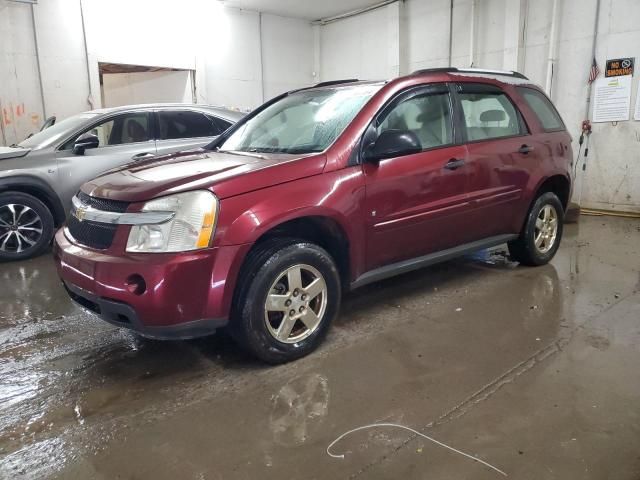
(532, 370)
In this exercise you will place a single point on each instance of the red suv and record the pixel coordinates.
(318, 191)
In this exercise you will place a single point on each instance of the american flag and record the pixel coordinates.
(594, 72)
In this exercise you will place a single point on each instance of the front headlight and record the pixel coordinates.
(191, 228)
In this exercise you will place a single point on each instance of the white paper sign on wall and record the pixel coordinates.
(612, 99)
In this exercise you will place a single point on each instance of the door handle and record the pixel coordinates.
(524, 149)
(140, 156)
(454, 164)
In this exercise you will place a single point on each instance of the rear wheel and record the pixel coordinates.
(289, 293)
(540, 237)
(26, 226)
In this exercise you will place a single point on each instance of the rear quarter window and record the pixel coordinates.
(543, 108)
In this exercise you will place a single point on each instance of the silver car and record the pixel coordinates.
(39, 176)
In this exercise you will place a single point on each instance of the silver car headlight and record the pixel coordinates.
(191, 228)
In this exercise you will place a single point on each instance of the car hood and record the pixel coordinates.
(226, 174)
(11, 152)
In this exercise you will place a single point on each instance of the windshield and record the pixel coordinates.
(302, 122)
(57, 131)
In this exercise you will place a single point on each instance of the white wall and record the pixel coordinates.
(365, 46)
(509, 34)
(20, 100)
(146, 87)
(240, 58)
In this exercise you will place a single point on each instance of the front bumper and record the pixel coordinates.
(186, 295)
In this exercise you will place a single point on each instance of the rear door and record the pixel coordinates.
(498, 141)
(185, 130)
(415, 204)
(124, 138)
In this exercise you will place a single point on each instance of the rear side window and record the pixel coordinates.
(220, 124)
(543, 108)
(488, 113)
(185, 124)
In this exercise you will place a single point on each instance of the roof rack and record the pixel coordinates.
(507, 73)
(336, 82)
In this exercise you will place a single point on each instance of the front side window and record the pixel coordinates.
(542, 107)
(186, 124)
(428, 116)
(489, 114)
(119, 130)
(302, 122)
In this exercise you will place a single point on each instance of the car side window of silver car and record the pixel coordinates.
(119, 130)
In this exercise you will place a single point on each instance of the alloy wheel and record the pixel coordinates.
(546, 230)
(20, 228)
(296, 303)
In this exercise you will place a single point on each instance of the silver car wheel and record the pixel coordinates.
(546, 230)
(20, 228)
(296, 304)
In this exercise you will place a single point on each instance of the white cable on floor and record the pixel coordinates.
(375, 425)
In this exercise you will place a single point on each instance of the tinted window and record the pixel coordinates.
(544, 110)
(184, 124)
(220, 124)
(119, 130)
(427, 115)
(489, 114)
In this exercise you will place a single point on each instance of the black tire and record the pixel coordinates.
(262, 268)
(20, 248)
(524, 249)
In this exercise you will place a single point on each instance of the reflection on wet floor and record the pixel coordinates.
(458, 347)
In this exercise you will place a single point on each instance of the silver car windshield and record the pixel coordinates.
(302, 122)
(57, 131)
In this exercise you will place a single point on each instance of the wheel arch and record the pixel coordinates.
(39, 189)
(323, 230)
(558, 184)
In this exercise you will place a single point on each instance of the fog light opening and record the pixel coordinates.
(136, 284)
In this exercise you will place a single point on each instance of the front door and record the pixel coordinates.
(416, 204)
(123, 138)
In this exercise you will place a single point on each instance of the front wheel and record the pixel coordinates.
(540, 237)
(26, 226)
(289, 293)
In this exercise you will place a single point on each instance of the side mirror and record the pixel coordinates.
(84, 141)
(392, 143)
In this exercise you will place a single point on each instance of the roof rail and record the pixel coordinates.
(507, 73)
(336, 82)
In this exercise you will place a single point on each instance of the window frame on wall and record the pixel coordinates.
(461, 88)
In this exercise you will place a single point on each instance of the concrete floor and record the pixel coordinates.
(533, 370)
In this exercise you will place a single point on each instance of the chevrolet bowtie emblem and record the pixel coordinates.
(80, 213)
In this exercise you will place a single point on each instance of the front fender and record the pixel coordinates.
(338, 196)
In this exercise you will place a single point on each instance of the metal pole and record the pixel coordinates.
(35, 40)
(553, 40)
(593, 55)
(450, 31)
(472, 34)
(261, 55)
(86, 54)
(586, 112)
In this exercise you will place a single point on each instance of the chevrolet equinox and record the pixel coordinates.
(318, 191)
